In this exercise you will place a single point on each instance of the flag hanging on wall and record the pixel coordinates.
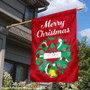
(54, 51)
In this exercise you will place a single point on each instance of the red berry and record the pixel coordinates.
(63, 58)
(64, 42)
(57, 71)
(49, 66)
(37, 55)
(44, 72)
(43, 45)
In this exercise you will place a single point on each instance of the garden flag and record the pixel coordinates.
(54, 50)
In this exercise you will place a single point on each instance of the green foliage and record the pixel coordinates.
(7, 80)
(8, 84)
(57, 86)
(84, 64)
(83, 50)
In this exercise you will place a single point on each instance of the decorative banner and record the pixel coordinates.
(54, 50)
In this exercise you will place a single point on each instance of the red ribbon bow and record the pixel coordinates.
(55, 41)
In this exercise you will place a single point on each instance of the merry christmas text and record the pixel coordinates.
(53, 31)
(42, 33)
(49, 24)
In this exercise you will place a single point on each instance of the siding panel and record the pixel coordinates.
(15, 4)
(17, 53)
(10, 11)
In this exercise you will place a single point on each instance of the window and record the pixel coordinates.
(18, 71)
(28, 15)
(28, 76)
(8, 67)
(2, 27)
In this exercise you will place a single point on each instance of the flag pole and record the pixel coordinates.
(31, 20)
(18, 24)
(80, 8)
